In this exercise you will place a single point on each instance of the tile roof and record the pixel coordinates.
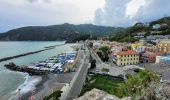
(128, 52)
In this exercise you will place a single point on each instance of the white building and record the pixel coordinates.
(163, 59)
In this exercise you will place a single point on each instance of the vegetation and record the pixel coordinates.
(93, 63)
(103, 53)
(123, 37)
(54, 96)
(128, 34)
(133, 86)
(105, 70)
(163, 32)
(103, 83)
(135, 83)
(90, 45)
(73, 33)
(160, 21)
(68, 32)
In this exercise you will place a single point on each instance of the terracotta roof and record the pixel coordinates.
(128, 52)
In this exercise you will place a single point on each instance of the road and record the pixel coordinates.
(113, 69)
(79, 78)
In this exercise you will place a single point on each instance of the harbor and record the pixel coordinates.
(55, 64)
(22, 80)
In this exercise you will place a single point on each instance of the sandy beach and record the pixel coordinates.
(48, 84)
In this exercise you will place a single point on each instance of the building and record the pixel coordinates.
(149, 56)
(164, 26)
(150, 48)
(164, 45)
(127, 57)
(156, 26)
(163, 59)
(135, 46)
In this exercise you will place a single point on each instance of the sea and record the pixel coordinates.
(10, 81)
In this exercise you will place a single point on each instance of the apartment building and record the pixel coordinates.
(128, 57)
(164, 45)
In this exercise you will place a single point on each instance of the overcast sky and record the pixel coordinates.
(18, 13)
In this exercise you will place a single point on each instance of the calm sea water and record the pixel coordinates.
(9, 80)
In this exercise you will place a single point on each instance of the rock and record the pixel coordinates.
(156, 92)
(96, 94)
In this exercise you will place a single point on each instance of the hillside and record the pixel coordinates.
(68, 32)
(161, 20)
(128, 34)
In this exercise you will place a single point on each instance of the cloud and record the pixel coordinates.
(128, 12)
(46, 12)
(113, 13)
(32, 1)
(152, 10)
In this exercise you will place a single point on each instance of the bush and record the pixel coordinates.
(135, 83)
(54, 96)
(105, 69)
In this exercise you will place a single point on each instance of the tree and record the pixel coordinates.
(103, 53)
(104, 49)
(135, 83)
(93, 64)
(91, 45)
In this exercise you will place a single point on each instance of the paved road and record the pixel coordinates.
(113, 69)
(77, 86)
(79, 78)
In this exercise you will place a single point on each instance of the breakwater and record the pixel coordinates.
(28, 53)
(13, 67)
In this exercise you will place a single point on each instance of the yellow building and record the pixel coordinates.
(164, 46)
(128, 57)
(135, 46)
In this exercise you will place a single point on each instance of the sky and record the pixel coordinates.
(117, 13)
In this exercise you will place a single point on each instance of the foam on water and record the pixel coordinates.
(27, 86)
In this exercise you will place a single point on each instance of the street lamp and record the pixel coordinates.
(19, 94)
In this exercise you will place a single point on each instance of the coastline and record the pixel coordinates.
(28, 85)
(42, 85)
(37, 87)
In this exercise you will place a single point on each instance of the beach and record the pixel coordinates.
(42, 85)
(27, 83)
